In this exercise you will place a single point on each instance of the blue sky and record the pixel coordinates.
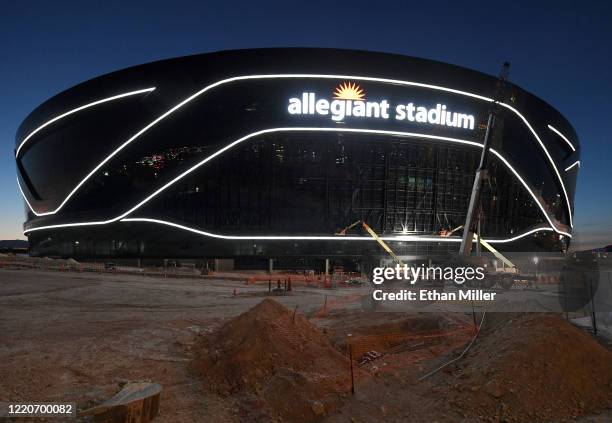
(559, 51)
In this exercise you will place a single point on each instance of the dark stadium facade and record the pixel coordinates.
(270, 152)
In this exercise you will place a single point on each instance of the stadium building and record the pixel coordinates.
(269, 153)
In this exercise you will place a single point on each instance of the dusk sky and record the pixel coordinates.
(559, 51)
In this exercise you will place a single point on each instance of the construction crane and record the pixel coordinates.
(473, 214)
(374, 235)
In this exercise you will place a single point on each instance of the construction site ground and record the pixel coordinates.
(78, 337)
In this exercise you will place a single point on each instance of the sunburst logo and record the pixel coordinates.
(349, 91)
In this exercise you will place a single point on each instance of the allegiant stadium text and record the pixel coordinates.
(339, 109)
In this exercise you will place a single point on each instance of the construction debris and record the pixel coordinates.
(135, 403)
(369, 357)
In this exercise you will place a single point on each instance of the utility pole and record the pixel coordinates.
(350, 346)
(482, 173)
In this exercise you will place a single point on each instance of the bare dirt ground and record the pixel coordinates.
(78, 337)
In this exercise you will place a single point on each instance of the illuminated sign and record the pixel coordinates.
(349, 101)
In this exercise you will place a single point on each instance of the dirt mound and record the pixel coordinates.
(530, 367)
(280, 363)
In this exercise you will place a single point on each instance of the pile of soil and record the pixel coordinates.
(529, 367)
(280, 365)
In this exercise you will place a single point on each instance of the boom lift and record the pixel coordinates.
(504, 276)
(496, 253)
(374, 235)
(446, 233)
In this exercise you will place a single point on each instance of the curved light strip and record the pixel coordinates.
(550, 159)
(535, 198)
(524, 234)
(23, 195)
(314, 76)
(289, 129)
(78, 109)
(556, 131)
(413, 238)
(572, 165)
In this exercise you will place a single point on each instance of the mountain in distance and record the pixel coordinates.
(7, 244)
